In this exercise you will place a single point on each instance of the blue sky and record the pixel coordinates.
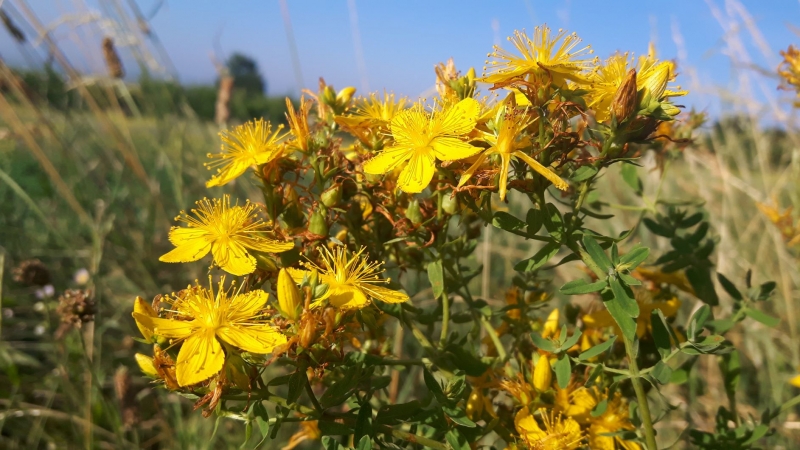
(401, 41)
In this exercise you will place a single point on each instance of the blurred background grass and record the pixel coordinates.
(93, 168)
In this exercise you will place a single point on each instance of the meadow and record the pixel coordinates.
(91, 180)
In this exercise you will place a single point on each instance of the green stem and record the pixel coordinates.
(413, 438)
(641, 396)
(445, 319)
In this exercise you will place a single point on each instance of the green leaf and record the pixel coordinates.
(624, 320)
(596, 372)
(597, 349)
(729, 287)
(631, 177)
(329, 443)
(700, 279)
(634, 257)
(390, 414)
(662, 372)
(506, 221)
(628, 280)
(581, 286)
(563, 370)
(758, 432)
(731, 368)
(329, 428)
(624, 296)
(296, 384)
(600, 408)
(539, 259)
(433, 386)
(764, 291)
(698, 321)
(759, 316)
(584, 173)
(658, 228)
(661, 334)
(596, 252)
(365, 443)
(340, 391)
(456, 440)
(572, 340)
(553, 221)
(262, 420)
(363, 427)
(436, 277)
(542, 343)
(458, 416)
(534, 220)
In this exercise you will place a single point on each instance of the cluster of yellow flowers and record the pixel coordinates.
(331, 203)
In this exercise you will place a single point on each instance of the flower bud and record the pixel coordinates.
(329, 96)
(317, 224)
(542, 374)
(551, 324)
(344, 96)
(146, 365)
(656, 84)
(475, 404)
(450, 204)
(289, 299)
(331, 196)
(413, 212)
(264, 262)
(625, 102)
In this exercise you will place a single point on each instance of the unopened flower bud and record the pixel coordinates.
(542, 374)
(475, 404)
(656, 84)
(450, 204)
(264, 262)
(317, 224)
(413, 212)
(551, 324)
(289, 298)
(146, 365)
(344, 96)
(625, 102)
(329, 96)
(331, 196)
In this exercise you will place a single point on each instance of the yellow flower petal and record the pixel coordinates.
(168, 328)
(459, 118)
(141, 307)
(146, 365)
(474, 167)
(385, 294)
(246, 306)
(233, 258)
(261, 339)
(347, 297)
(200, 357)
(417, 174)
(387, 160)
(451, 149)
(289, 299)
(297, 274)
(543, 171)
(266, 245)
(191, 245)
(233, 171)
(795, 381)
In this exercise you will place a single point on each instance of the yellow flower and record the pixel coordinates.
(298, 123)
(542, 374)
(201, 319)
(613, 420)
(783, 221)
(508, 144)
(352, 280)
(602, 318)
(795, 381)
(372, 117)
(224, 230)
(247, 145)
(420, 140)
(542, 55)
(142, 307)
(558, 434)
(576, 402)
(652, 76)
(309, 430)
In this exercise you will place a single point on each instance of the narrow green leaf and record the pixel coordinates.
(506, 221)
(542, 343)
(698, 321)
(563, 369)
(456, 440)
(631, 177)
(458, 416)
(658, 228)
(597, 349)
(759, 316)
(433, 386)
(534, 220)
(436, 277)
(662, 372)
(390, 414)
(600, 408)
(661, 334)
(700, 279)
(624, 296)
(584, 173)
(624, 320)
(553, 221)
(365, 443)
(330, 428)
(363, 427)
(539, 259)
(634, 257)
(572, 340)
(296, 384)
(596, 252)
(581, 286)
(729, 287)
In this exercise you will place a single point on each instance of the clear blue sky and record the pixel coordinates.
(402, 40)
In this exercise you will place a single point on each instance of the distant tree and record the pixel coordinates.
(246, 76)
